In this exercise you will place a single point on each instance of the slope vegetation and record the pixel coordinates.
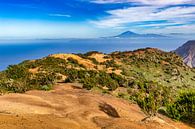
(149, 77)
(67, 107)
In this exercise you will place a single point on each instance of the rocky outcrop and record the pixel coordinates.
(187, 51)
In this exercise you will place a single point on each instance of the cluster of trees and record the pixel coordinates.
(91, 78)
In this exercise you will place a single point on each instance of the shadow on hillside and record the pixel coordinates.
(109, 110)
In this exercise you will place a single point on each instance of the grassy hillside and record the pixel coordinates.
(155, 65)
(150, 77)
(94, 69)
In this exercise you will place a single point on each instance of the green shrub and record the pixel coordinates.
(91, 78)
(75, 62)
(72, 60)
(89, 83)
(94, 61)
(105, 79)
(122, 81)
(42, 79)
(17, 72)
(46, 87)
(110, 63)
(14, 86)
(91, 53)
(149, 95)
(47, 63)
(184, 107)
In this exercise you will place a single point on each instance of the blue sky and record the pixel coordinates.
(94, 18)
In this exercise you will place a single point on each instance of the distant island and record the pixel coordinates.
(130, 34)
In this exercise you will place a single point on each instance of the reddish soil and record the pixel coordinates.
(67, 107)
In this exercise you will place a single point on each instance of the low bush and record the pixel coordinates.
(46, 87)
(17, 72)
(91, 78)
(43, 79)
(110, 63)
(184, 107)
(150, 96)
(13, 86)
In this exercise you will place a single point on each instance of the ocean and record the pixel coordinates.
(16, 51)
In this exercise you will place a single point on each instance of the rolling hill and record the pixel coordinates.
(150, 78)
(144, 64)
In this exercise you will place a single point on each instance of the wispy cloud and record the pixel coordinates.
(146, 2)
(60, 15)
(177, 15)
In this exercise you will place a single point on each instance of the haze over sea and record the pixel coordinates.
(16, 51)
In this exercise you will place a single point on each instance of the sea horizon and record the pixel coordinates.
(14, 51)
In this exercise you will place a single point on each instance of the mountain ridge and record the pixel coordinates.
(187, 51)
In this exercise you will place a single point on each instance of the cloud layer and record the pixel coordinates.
(146, 2)
(149, 14)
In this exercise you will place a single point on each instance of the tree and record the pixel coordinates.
(150, 96)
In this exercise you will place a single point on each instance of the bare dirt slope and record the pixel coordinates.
(67, 107)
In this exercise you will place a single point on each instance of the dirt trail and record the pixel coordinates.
(67, 107)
